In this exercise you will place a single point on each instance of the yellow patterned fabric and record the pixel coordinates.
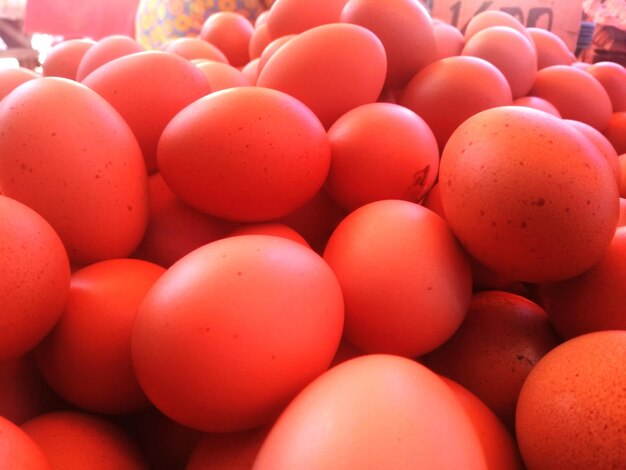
(159, 21)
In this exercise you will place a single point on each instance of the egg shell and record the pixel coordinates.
(73, 439)
(235, 329)
(527, 195)
(105, 50)
(322, 67)
(34, 278)
(230, 32)
(294, 16)
(612, 76)
(510, 52)
(63, 59)
(10, 78)
(18, 450)
(380, 151)
(449, 40)
(616, 131)
(575, 93)
(269, 228)
(489, 18)
(405, 29)
(148, 105)
(449, 91)
(409, 418)
(572, 406)
(248, 154)
(81, 169)
(271, 48)
(86, 357)
(495, 348)
(594, 300)
(194, 48)
(405, 280)
(222, 76)
(537, 103)
(258, 41)
(551, 49)
(175, 228)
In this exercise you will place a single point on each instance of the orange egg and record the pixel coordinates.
(269, 154)
(322, 67)
(622, 212)
(405, 280)
(537, 103)
(251, 70)
(491, 354)
(258, 41)
(86, 358)
(432, 201)
(34, 278)
(175, 228)
(222, 76)
(235, 329)
(572, 408)
(510, 52)
(374, 411)
(230, 32)
(575, 93)
(449, 40)
(612, 76)
(380, 151)
(63, 59)
(490, 18)
(294, 16)
(409, 44)
(616, 131)
(551, 50)
(545, 212)
(18, 450)
(195, 48)
(148, 105)
(271, 48)
(496, 441)
(71, 157)
(448, 91)
(622, 184)
(594, 300)
(10, 78)
(73, 440)
(105, 50)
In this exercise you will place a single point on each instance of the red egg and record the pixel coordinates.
(527, 195)
(612, 76)
(593, 301)
(271, 48)
(74, 440)
(18, 450)
(269, 228)
(175, 228)
(248, 154)
(148, 105)
(375, 411)
(70, 156)
(34, 278)
(406, 283)
(616, 131)
(449, 40)
(448, 91)
(251, 70)
(232, 331)
(491, 354)
(490, 18)
(622, 184)
(380, 151)
(551, 49)
(230, 32)
(294, 16)
(105, 50)
(323, 66)
(575, 93)
(258, 41)
(510, 51)
(63, 59)
(192, 48)
(10, 78)
(498, 445)
(405, 29)
(571, 410)
(537, 103)
(222, 76)
(86, 358)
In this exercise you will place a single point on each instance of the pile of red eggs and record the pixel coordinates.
(345, 236)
